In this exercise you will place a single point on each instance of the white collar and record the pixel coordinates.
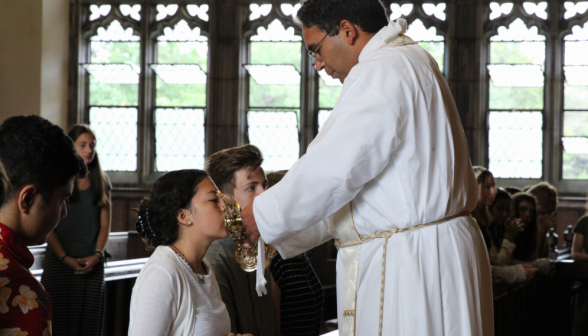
(385, 35)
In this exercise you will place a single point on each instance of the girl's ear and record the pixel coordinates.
(182, 217)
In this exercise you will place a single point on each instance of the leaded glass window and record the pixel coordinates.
(575, 115)
(114, 70)
(516, 96)
(424, 22)
(274, 70)
(180, 98)
(329, 91)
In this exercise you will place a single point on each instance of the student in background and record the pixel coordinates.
(546, 199)
(580, 242)
(73, 268)
(41, 163)
(237, 173)
(300, 293)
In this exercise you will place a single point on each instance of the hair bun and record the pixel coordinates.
(143, 226)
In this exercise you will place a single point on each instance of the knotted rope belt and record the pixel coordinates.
(385, 235)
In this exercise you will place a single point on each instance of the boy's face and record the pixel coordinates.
(42, 216)
(248, 184)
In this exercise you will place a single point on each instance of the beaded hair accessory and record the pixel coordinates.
(144, 227)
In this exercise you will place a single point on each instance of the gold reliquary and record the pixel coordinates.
(245, 257)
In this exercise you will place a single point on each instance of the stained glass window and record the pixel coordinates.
(516, 72)
(428, 38)
(113, 89)
(181, 70)
(274, 88)
(575, 121)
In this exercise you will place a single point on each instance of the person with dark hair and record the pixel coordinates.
(41, 164)
(526, 251)
(580, 240)
(73, 268)
(512, 190)
(503, 229)
(176, 292)
(237, 172)
(546, 199)
(486, 193)
(389, 175)
(4, 184)
(523, 208)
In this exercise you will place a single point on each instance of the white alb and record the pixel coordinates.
(394, 147)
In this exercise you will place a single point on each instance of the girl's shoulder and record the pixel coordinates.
(163, 260)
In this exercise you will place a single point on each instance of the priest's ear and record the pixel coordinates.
(349, 32)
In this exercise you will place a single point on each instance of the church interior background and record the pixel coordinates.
(165, 83)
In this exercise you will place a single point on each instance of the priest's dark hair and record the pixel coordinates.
(36, 152)
(157, 214)
(369, 15)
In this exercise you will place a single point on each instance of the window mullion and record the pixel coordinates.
(146, 129)
(309, 101)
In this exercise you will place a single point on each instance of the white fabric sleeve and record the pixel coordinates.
(353, 147)
(305, 240)
(154, 304)
(510, 274)
(504, 255)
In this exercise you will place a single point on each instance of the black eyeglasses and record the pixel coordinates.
(311, 53)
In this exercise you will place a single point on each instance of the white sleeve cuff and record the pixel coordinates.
(268, 219)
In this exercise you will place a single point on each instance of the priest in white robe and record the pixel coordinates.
(389, 176)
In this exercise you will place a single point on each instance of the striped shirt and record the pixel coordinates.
(301, 303)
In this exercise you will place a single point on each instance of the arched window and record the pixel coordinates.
(575, 113)
(142, 86)
(274, 68)
(516, 103)
(426, 25)
(180, 97)
(113, 68)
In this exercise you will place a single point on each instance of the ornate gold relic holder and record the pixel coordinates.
(246, 258)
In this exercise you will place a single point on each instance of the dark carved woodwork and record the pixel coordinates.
(250, 27)
(181, 14)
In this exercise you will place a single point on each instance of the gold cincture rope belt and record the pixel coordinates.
(386, 235)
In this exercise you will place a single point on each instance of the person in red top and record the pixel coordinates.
(41, 164)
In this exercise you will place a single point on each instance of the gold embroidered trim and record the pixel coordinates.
(349, 313)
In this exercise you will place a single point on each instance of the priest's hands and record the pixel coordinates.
(250, 225)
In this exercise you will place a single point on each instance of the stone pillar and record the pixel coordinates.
(226, 96)
(466, 75)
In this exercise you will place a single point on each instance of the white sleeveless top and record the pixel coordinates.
(169, 299)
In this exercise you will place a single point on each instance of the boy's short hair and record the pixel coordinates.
(546, 195)
(222, 165)
(274, 177)
(35, 151)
